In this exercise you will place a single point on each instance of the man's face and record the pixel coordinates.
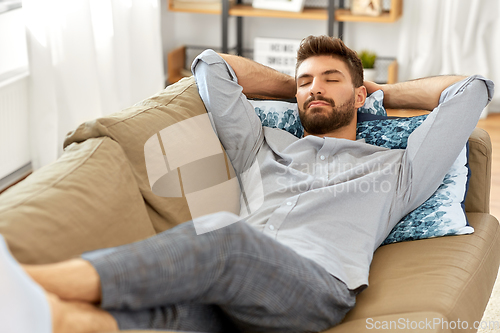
(326, 97)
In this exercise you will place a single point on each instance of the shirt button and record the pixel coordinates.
(322, 157)
(271, 227)
(288, 203)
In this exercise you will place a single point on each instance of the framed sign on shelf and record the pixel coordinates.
(284, 5)
(277, 53)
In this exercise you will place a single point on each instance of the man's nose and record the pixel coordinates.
(316, 88)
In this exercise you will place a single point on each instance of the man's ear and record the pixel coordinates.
(359, 96)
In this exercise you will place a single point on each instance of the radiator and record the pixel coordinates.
(14, 139)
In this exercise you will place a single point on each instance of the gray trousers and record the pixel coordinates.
(234, 279)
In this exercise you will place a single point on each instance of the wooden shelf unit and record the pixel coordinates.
(392, 72)
(202, 9)
(307, 14)
(177, 64)
(193, 10)
(341, 14)
(240, 10)
(330, 14)
(345, 15)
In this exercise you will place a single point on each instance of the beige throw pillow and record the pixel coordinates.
(187, 173)
(86, 200)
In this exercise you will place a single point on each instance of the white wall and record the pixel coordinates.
(14, 134)
(13, 51)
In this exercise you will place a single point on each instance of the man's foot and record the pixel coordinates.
(73, 280)
(79, 317)
(27, 308)
(24, 307)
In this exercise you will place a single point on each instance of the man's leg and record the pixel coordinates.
(259, 283)
(77, 284)
(180, 317)
(77, 280)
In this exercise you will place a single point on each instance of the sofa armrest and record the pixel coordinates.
(444, 277)
(478, 195)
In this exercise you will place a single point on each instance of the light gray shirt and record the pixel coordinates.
(331, 200)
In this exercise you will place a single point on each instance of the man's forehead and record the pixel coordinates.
(322, 65)
(331, 71)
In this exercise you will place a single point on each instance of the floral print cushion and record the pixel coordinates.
(278, 114)
(374, 104)
(390, 133)
(442, 214)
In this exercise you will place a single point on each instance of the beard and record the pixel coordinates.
(316, 121)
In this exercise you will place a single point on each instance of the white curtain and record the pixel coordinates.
(88, 58)
(451, 37)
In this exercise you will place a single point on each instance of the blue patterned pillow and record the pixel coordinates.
(374, 104)
(279, 114)
(443, 213)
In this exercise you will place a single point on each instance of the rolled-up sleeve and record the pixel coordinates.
(434, 145)
(233, 118)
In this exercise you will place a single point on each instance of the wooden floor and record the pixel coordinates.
(492, 125)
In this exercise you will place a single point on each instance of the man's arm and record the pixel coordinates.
(420, 94)
(233, 118)
(437, 142)
(257, 79)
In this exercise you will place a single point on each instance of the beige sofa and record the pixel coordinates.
(97, 194)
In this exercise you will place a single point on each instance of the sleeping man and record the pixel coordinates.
(294, 263)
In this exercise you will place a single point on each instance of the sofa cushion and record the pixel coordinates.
(279, 114)
(146, 129)
(374, 104)
(87, 199)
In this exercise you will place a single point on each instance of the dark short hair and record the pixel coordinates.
(335, 47)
